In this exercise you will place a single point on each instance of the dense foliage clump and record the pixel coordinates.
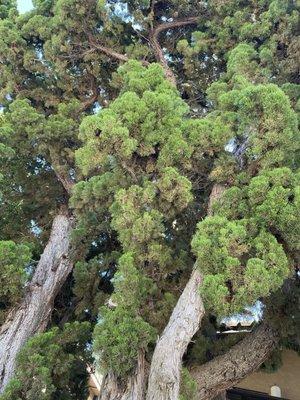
(13, 260)
(51, 365)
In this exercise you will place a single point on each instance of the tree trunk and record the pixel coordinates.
(133, 389)
(164, 379)
(241, 360)
(33, 314)
(221, 396)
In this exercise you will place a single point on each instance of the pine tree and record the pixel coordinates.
(149, 183)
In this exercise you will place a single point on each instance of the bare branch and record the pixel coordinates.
(106, 50)
(174, 24)
(65, 181)
(154, 41)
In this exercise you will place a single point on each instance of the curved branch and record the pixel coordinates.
(153, 39)
(174, 24)
(108, 51)
(227, 370)
(95, 93)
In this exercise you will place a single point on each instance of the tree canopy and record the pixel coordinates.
(127, 117)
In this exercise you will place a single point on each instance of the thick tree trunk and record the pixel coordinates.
(241, 360)
(33, 314)
(164, 379)
(132, 389)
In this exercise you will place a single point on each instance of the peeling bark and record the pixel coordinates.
(33, 314)
(227, 370)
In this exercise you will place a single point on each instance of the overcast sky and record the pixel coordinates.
(24, 5)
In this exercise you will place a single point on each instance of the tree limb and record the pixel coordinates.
(174, 24)
(227, 370)
(106, 50)
(154, 41)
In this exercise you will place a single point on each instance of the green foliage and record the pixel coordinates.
(51, 365)
(270, 200)
(121, 332)
(188, 387)
(144, 156)
(13, 260)
(240, 249)
(88, 281)
(239, 267)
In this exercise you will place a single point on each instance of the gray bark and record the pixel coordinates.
(33, 314)
(241, 360)
(164, 378)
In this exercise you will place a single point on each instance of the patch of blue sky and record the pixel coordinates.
(24, 5)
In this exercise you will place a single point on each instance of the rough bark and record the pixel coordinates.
(164, 379)
(133, 389)
(221, 396)
(241, 360)
(33, 314)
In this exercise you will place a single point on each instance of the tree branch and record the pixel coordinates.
(154, 41)
(108, 51)
(174, 24)
(227, 370)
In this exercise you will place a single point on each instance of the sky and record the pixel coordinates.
(24, 5)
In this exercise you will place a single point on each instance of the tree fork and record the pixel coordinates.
(33, 314)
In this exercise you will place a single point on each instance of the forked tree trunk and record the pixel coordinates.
(33, 314)
(212, 378)
(133, 389)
